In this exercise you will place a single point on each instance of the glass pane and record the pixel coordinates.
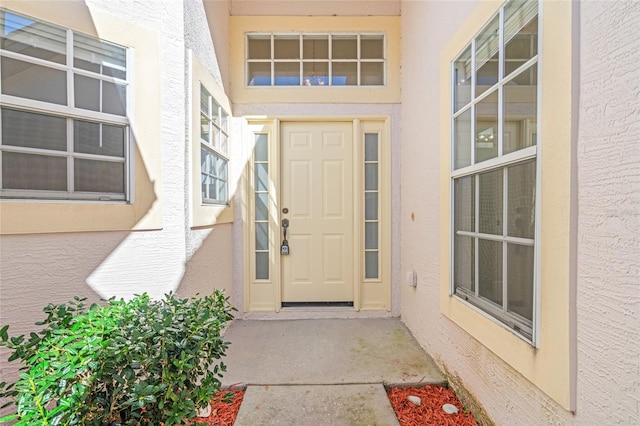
(462, 79)
(86, 92)
(287, 73)
(371, 264)
(522, 196)
(32, 130)
(98, 176)
(204, 101)
(315, 47)
(371, 206)
(262, 177)
(286, 47)
(462, 140)
(209, 190)
(490, 203)
(262, 206)
(223, 165)
(32, 38)
(205, 129)
(208, 162)
(490, 270)
(486, 143)
(26, 171)
(114, 99)
(344, 74)
(520, 111)
(113, 139)
(371, 147)
(372, 47)
(224, 143)
(262, 147)
(33, 81)
(215, 111)
(259, 47)
(465, 204)
(99, 56)
(223, 196)
(259, 74)
(371, 177)
(215, 136)
(521, 48)
(371, 235)
(372, 73)
(262, 236)
(87, 138)
(520, 33)
(224, 120)
(344, 47)
(262, 266)
(315, 73)
(520, 280)
(487, 46)
(464, 263)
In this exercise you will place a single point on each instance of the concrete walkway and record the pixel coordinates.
(323, 371)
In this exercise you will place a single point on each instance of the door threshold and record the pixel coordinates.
(307, 305)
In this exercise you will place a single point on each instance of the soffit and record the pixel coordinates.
(315, 7)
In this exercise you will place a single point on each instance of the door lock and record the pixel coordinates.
(284, 248)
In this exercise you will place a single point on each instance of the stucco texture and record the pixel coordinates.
(606, 155)
(38, 269)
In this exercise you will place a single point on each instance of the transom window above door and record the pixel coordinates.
(330, 59)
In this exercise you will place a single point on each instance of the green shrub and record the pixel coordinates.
(135, 362)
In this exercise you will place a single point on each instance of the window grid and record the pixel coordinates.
(299, 78)
(372, 206)
(516, 161)
(214, 145)
(28, 41)
(261, 210)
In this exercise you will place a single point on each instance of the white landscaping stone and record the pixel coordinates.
(415, 400)
(204, 412)
(450, 409)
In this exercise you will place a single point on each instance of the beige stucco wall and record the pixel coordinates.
(601, 307)
(608, 159)
(50, 266)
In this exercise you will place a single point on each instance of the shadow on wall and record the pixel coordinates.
(210, 268)
(38, 267)
(143, 252)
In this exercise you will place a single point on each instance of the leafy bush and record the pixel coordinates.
(133, 362)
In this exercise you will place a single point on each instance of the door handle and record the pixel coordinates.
(284, 248)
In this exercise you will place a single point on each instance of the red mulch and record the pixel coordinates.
(430, 412)
(223, 413)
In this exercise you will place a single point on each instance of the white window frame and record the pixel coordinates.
(70, 113)
(219, 147)
(519, 326)
(330, 60)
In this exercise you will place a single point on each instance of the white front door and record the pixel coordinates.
(317, 196)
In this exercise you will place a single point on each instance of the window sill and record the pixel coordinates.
(52, 216)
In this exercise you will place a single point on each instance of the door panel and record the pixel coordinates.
(317, 189)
